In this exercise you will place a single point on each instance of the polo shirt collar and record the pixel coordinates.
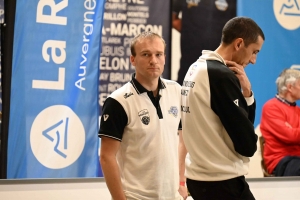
(140, 89)
(285, 101)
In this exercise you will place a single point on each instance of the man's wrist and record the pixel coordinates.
(182, 183)
(247, 93)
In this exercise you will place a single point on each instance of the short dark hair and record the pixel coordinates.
(241, 27)
(144, 35)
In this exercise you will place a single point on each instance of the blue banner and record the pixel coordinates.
(54, 109)
(280, 21)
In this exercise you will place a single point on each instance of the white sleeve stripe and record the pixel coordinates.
(110, 137)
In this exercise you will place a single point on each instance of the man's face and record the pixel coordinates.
(150, 58)
(246, 55)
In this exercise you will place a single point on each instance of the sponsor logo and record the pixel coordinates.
(58, 133)
(126, 95)
(185, 109)
(105, 117)
(184, 92)
(287, 13)
(173, 110)
(144, 116)
(188, 84)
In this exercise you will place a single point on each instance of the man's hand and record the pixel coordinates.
(183, 191)
(242, 76)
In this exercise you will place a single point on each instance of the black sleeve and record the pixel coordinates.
(251, 111)
(228, 102)
(113, 119)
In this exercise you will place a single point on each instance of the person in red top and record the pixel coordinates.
(280, 126)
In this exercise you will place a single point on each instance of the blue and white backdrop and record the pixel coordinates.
(280, 21)
(55, 75)
(54, 108)
(57, 90)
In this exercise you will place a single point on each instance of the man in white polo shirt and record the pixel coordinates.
(139, 128)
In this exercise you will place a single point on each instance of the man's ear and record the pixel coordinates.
(132, 59)
(288, 87)
(238, 43)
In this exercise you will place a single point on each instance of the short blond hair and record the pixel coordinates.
(144, 35)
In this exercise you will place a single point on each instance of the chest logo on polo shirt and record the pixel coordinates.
(126, 95)
(144, 116)
(173, 111)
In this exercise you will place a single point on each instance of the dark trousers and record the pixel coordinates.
(288, 166)
(232, 189)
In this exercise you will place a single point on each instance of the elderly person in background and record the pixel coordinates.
(280, 126)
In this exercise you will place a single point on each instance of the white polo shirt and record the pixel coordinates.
(148, 155)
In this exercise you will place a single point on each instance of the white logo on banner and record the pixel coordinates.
(57, 137)
(221, 5)
(287, 13)
(295, 67)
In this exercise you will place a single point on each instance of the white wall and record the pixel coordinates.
(275, 188)
(95, 189)
(54, 189)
